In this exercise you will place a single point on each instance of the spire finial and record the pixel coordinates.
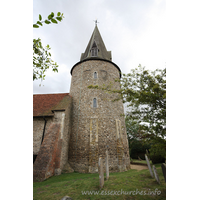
(96, 22)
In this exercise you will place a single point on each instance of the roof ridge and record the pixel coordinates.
(52, 93)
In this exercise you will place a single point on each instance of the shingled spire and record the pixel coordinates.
(96, 48)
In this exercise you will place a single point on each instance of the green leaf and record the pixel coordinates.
(54, 21)
(50, 17)
(59, 18)
(52, 14)
(35, 26)
(40, 17)
(47, 22)
(38, 22)
(58, 14)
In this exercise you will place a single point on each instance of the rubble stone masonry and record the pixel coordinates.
(100, 128)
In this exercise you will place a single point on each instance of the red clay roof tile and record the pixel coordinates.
(43, 104)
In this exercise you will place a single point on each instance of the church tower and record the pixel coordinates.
(97, 121)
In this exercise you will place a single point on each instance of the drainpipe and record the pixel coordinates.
(44, 129)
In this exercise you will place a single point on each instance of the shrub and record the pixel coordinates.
(138, 149)
(158, 151)
(157, 159)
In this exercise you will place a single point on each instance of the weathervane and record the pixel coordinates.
(96, 22)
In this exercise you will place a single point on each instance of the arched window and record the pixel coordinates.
(95, 74)
(94, 103)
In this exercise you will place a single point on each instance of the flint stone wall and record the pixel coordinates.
(96, 129)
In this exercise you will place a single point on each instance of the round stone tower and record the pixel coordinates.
(97, 121)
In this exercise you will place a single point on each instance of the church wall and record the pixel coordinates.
(94, 129)
(66, 138)
(48, 157)
(52, 156)
(38, 126)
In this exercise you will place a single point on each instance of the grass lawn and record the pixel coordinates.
(118, 186)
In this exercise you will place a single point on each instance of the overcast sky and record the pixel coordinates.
(134, 31)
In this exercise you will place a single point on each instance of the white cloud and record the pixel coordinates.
(133, 30)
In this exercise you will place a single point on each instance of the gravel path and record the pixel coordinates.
(138, 167)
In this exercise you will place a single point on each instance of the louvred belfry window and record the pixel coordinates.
(94, 49)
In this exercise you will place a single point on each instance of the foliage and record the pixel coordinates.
(51, 18)
(41, 60)
(157, 159)
(158, 150)
(41, 55)
(136, 146)
(145, 93)
(138, 149)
